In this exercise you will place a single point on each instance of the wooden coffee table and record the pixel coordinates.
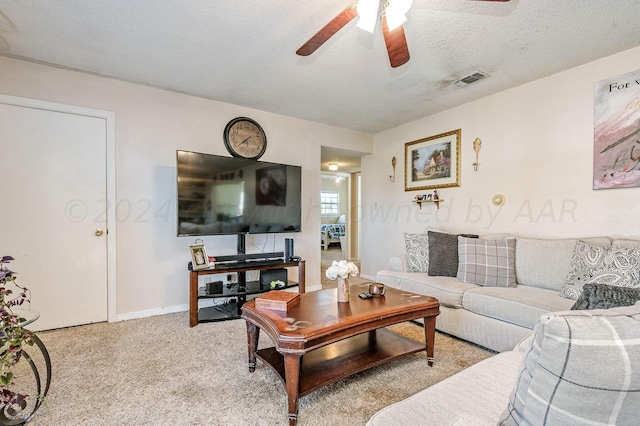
(336, 339)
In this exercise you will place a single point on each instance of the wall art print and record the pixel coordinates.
(432, 162)
(616, 147)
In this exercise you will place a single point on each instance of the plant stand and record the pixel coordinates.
(38, 360)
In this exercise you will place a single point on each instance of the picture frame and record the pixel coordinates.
(433, 162)
(616, 157)
(199, 258)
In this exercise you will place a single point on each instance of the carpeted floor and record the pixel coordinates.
(159, 371)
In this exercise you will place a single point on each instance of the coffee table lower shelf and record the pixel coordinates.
(344, 358)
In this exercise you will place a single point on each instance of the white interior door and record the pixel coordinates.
(54, 199)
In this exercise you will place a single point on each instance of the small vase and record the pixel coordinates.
(343, 290)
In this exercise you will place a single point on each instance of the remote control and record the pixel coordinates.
(365, 295)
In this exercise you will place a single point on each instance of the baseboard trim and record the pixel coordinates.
(172, 309)
(152, 312)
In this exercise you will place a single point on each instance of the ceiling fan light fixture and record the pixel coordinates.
(394, 18)
(401, 6)
(368, 12)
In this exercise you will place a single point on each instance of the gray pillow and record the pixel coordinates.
(443, 253)
(489, 263)
(582, 368)
(417, 246)
(602, 296)
(594, 264)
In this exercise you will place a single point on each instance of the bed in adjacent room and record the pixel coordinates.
(331, 232)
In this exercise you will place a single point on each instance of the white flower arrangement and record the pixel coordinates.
(342, 269)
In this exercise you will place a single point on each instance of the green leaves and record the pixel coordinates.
(6, 378)
(12, 335)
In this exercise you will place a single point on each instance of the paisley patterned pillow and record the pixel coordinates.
(593, 264)
(417, 252)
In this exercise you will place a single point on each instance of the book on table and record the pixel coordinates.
(277, 300)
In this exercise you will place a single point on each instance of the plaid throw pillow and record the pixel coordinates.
(489, 263)
(583, 367)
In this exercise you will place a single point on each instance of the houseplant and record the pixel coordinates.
(13, 338)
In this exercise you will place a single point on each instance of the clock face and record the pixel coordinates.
(244, 137)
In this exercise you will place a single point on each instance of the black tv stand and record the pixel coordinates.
(239, 263)
(239, 291)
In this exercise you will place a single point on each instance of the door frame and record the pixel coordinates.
(110, 137)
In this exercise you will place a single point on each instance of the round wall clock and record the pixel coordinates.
(245, 138)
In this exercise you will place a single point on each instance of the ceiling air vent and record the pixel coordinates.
(471, 78)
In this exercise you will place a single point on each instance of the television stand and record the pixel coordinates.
(239, 291)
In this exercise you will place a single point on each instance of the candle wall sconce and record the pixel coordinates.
(392, 178)
(477, 144)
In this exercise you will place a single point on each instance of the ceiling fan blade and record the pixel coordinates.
(328, 31)
(396, 44)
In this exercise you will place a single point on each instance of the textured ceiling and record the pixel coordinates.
(243, 51)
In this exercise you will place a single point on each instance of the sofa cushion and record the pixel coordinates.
(443, 253)
(488, 263)
(477, 394)
(447, 290)
(602, 296)
(583, 368)
(623, 242)
(545, 263)
(417, 246)
(591, 263)
(521, 305)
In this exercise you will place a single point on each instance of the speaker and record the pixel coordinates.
(288, 249)
(214, 287)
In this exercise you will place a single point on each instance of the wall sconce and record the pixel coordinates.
(477, 144)
(498, 200)
(333, 167)
(392, 178)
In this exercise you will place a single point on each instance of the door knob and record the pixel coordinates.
(99, 232)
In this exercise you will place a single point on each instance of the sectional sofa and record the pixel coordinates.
(579, 367)
(562, 359)
(497, 286)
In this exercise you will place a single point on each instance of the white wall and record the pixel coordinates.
(151, 124)
(537, 150)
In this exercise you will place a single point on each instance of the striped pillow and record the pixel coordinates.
(489, 263)
(583, 367)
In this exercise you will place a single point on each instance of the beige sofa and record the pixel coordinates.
(579, 367)
(499, 317)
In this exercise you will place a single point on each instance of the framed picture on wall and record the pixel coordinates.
(433, 162)
(616, 150)
(199, 258)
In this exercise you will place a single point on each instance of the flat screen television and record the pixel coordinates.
(220, 195)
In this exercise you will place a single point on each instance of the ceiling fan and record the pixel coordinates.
(392, 14)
